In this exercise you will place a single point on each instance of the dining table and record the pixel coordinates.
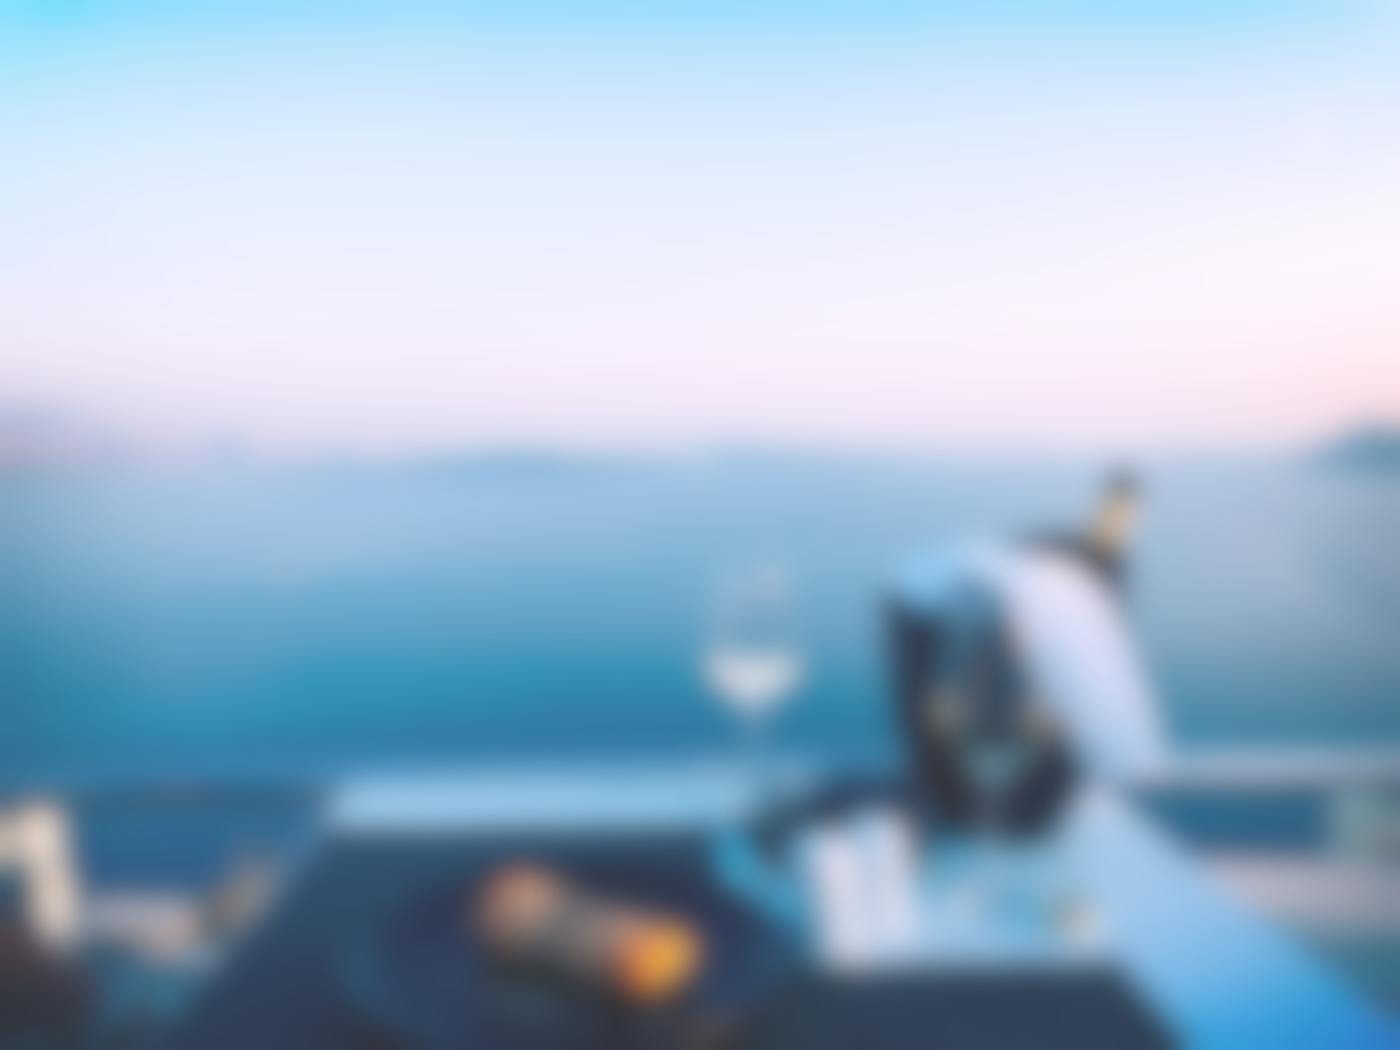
(1104, 931)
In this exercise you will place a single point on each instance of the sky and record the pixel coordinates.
(414, 226)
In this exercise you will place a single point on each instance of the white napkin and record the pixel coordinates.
(861, 879)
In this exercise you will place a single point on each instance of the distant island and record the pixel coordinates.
(1375, 447)
(38, 438)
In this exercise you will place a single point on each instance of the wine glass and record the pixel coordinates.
(751, 660)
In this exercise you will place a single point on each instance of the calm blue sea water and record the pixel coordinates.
(267, 622)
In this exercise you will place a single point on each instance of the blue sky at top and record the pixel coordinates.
(390, 226)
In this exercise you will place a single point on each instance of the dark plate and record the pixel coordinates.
(416, 979)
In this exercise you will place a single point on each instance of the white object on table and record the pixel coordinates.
(861, 882)
(831, 869)
(890, 865)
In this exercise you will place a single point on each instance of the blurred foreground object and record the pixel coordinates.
(535, 919)
(36, 843)
(860, 872)
(241, 898)
(44, 995)
(1015, 671)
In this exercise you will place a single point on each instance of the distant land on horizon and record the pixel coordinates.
(35, 438)
(1371, 447)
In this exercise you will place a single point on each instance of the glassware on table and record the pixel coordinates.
(751, 661)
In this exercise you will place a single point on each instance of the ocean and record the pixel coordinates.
(253, 622)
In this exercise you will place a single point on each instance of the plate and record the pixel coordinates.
(415, 978)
